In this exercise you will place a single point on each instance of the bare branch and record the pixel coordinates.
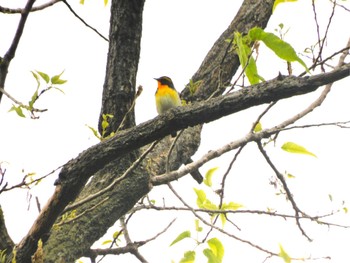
(286, 189)
(10, 54)
(316, 218)
(24, 183)
(218, 228)
(83, 21)
(340, 124)
(6, 10)
(321, 43)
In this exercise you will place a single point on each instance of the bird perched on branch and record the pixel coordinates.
(167, 98)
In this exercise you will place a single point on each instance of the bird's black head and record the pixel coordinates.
(165, 81)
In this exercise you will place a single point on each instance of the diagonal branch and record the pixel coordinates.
(290, 197)
(10, 54)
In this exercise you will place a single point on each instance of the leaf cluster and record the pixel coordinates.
(242, 46)
(51, 83)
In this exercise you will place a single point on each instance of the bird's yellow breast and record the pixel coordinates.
(166, 98)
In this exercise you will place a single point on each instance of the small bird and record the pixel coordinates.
(167, 98)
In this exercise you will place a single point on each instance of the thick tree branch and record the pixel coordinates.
(202, 112)
(125, 141)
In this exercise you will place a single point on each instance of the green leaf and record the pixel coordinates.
(14, 255)
(58, 89)
(57, 79)
(198, 227)
(295, 148)
(106, 242)
(217, 248)
(116, 234)
(231, 206)
(105, 124)
(203, 202)
(223, 219)
(44, 76)
(189, 257)
(180, 237)
(210, 255)
(18, 110)
(330, 197)
(59, 82)
(36, 78)
(209, 175)
(281, 48)
(33, 99)
(289, 175)
(201, 196)
(258, 127)
(277, 2)
(193, 86)
(95, 132)
(283, 254)
(246, 59)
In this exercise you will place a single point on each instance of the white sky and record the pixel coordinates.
(176, 36)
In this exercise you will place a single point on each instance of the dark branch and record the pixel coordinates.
(83, 21)
(298, 212)
(10, 54)
(6, 10)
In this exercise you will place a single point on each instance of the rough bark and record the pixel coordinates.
(122, 63)
(6, 242)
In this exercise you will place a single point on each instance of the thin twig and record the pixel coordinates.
(242, 211)
(222, 190)
(114, 183)
(340, 124)
(6, 10)
(64, 222)
(138, 93)
(129, 248)
(321, 43)
(286, 189)
(27, 184)
(218, 228)
(83, 21)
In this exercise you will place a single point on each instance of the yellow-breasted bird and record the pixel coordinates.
(166, 98)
